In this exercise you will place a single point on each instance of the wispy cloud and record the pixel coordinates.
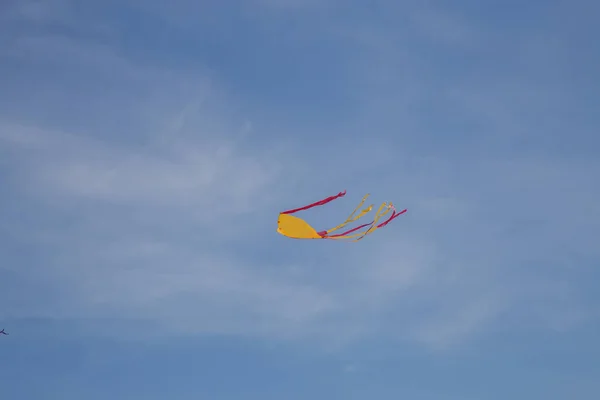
(148, 189)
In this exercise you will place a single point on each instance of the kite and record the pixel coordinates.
(296, 228)
(4, 333)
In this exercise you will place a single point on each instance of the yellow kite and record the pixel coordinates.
(296, 228)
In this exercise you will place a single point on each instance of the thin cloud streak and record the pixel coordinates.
(169, 217)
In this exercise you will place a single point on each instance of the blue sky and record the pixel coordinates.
(146, 148)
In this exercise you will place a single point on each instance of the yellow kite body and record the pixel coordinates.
(296, 228)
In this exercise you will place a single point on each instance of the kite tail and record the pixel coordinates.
(372, 226)
(352, 218)
(344, 234)
(318, 203)
(378, 216)
(394, 215)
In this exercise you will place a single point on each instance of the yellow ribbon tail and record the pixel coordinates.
(371, 229)
(378, 216)
(352, 218)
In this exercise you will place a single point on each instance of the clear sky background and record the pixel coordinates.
(147, 146)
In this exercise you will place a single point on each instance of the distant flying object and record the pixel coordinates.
(2, 331)
(296, 228)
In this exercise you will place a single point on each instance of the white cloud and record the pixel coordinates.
(170, 217)
(116, 262)
(208, 175)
